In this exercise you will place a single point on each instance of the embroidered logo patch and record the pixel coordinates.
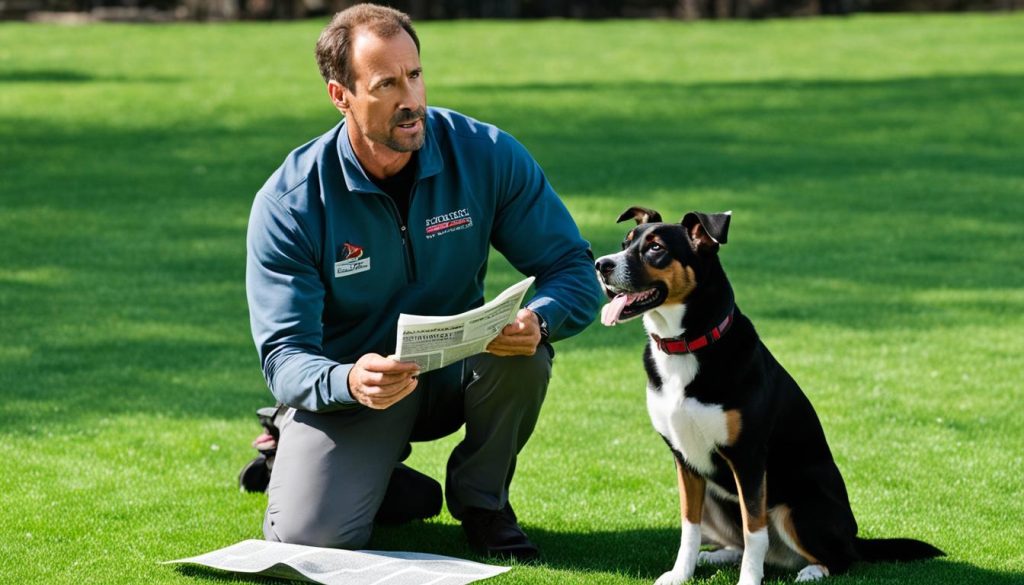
(350, 261)
(449, 222)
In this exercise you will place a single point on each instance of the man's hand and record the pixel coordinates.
(521, 337)
(379, 382)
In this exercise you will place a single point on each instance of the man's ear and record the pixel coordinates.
(640, 214)
(707, 230)
(339, 95)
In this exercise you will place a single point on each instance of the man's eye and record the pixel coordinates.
(415, 74)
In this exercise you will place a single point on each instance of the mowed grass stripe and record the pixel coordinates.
(872, 164)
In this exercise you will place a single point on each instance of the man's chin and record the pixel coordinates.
(410, 144)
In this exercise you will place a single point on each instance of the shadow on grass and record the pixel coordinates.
(216, 576)
(642, 554)
(72, 76)
(122, 249)
(647, 553)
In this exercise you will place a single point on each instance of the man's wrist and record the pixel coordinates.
(341, 388)
(544, 333)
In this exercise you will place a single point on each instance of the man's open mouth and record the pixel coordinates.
(627, 305)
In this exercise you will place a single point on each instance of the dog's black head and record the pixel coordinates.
(660, 263)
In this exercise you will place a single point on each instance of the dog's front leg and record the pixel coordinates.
(752, 487)
(691, 505)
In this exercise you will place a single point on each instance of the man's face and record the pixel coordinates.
(389, 103)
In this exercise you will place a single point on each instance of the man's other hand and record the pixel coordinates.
(379, 382)
(521, 337)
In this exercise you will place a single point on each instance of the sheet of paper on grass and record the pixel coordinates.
(335, 567)
(435, 342)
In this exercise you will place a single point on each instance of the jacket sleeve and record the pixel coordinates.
(286, 301)
(534, 231)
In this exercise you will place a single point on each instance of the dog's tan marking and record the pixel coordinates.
(782, 516)
(734, 425)
(691, 494)
(680, 280)
(753, 507)
(755, 510)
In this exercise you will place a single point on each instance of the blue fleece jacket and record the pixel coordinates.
(330, 265)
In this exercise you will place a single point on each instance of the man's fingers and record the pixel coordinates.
(515, 328)
(372, 378)
(526, 339)
(515, 341)
(398, 392)
(385, 383)
(379, 382)
(379, 363)
(526, 323)
(506, 346)
(380, 398)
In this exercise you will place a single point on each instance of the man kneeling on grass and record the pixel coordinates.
(337, 248)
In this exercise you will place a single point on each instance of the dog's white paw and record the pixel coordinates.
(812, 573)
(722, 556)
(749, 580)
(674, 577)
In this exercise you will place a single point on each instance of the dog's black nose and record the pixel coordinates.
(604, 266)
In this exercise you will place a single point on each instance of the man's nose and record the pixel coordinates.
(410, 98)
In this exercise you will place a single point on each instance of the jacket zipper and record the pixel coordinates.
(410, 261)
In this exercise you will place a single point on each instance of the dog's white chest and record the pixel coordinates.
(693, 428)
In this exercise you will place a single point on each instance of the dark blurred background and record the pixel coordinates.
(205, 10)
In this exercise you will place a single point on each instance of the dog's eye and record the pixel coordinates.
(654, 247)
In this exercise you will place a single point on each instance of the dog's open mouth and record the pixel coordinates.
(624, 306)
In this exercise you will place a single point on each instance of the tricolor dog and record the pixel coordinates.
(756, 477)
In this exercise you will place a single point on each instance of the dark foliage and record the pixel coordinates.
(142, 10)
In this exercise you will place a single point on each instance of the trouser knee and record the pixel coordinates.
(314, 531)
(331, 473)
(516, 379)
(537, 367)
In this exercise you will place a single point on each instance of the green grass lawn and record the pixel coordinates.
(874, 165)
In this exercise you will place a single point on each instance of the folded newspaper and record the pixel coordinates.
(435, 342)
(336, 567)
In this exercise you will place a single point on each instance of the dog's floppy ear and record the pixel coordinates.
(640, 214)
(707, 230)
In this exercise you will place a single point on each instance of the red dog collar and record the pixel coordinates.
(677, 345)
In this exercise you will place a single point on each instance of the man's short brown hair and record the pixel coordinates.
(332, 48)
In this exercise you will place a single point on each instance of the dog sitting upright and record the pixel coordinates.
(756, 476)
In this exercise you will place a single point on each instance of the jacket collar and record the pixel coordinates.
(356, 179)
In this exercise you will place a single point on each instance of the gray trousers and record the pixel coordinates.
(332, 469)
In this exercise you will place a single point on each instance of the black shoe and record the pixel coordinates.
(410, 496)
(496, 533)
(255, 476)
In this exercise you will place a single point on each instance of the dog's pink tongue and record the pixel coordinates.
(610, 312)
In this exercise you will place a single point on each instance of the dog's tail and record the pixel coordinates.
(895, 549)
